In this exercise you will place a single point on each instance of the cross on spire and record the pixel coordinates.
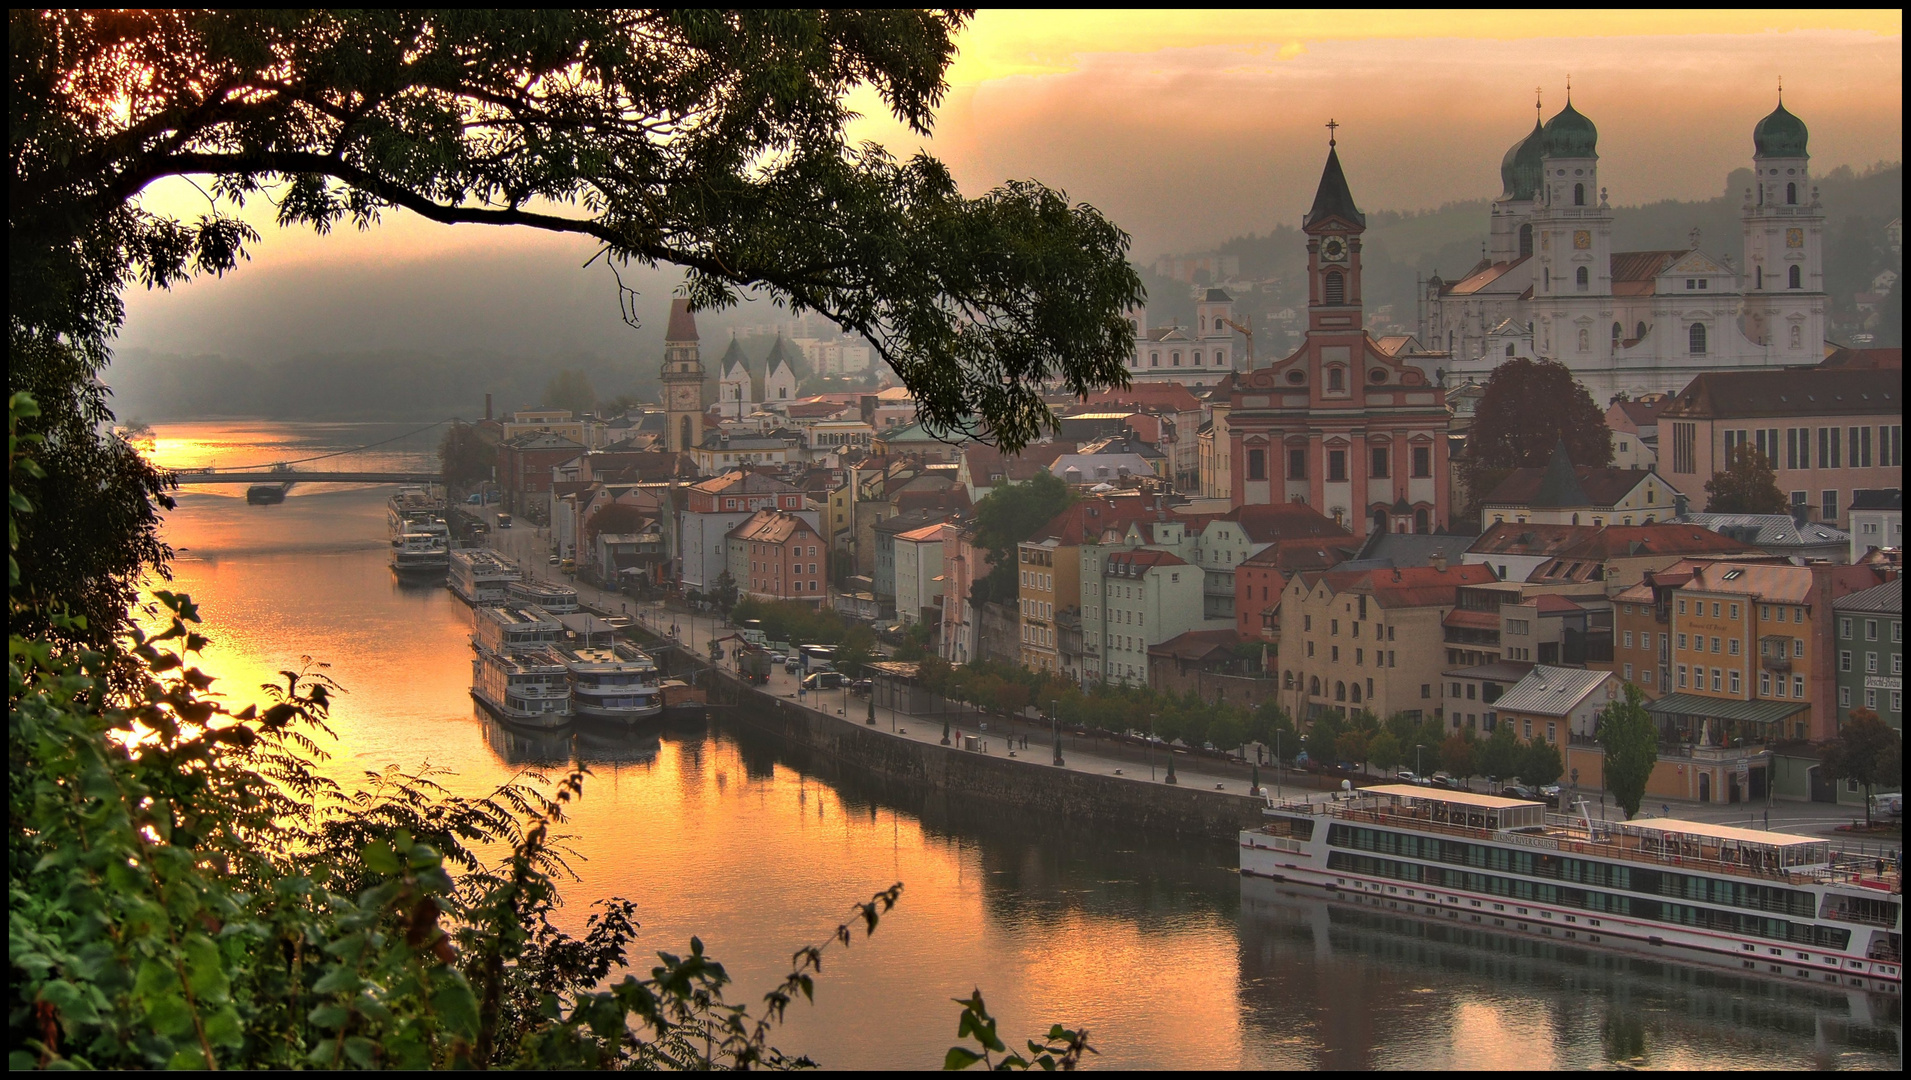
(1331, 125)
(1537, 111)
(1781, 89)
(1569, 88)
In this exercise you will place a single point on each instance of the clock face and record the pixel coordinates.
(1794, 238)
(683, 397)
(1582, 239)
(1333, 249)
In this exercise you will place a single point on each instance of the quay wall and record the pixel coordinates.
(1028, 785)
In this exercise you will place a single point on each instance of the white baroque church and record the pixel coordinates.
(1633, 321)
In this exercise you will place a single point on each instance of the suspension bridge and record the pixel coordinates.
(284, 473)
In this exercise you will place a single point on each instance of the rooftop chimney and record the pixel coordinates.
(1439, 562)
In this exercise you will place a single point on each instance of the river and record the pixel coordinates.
(1157, 948)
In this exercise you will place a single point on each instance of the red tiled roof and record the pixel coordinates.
(1790, 392)
(1603, 486)
(1196, 644)
(1172, 395)
(1142, 557)
(1549, 604)
(1266, 523)
(1877, 359)
(1481, 277)
(1634, 272)
(1296, 556)
(769, 527)
(1416, 586)
(1462, 619)
(1597, 542)
(742, 482)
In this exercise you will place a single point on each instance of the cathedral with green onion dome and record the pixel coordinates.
(1550, 285)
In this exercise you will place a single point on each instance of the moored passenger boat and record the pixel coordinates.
(482, 576)
(515, 674)
(1761, 901)
(617, 682)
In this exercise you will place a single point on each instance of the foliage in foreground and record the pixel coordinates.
(186, 889)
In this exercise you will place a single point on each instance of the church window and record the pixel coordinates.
(1579, 194)
(1548, 278)
(1422, 462)
(1759, 275)
(685, 443)
(1695, 339)
(1336, 379)
(1585, 339)
(1257, 464)
(1154, 359)
(1297, 463)
(1509, 348)
(1195, 359)
(1617, 332)
(1791, 194)
(1380, 463)
(1337, 466)
(1420, 521)
(1526, 240)
(1176, 360)
(1797, 278)
(1582, 277)
(1334, 288)
(1639, 332)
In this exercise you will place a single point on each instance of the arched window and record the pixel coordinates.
(1154, 359)
(1340, 691)
(1177, 360)
(1526, 240)
(1582, 277)
(1579, 194)
(1639, 332)
(1380, 521)
(1791, 194)
(1355, 691)
(1585, 339)
(685, 443)
(1195, 359)
(1336, 379)
(1334, 288)
(1695, 339)
(1617, 333)
(1797, 277)
(1313, 685)
(1420, 523)
(1759, 273)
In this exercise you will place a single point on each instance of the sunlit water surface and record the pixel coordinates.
(1156, 947)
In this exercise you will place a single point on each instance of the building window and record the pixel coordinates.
(1334, 288)
(1579, 194)
(1582, 278)
(1297, 463)
(1379, 463)
(1791, 194)
(1422, 462)
(1829, 505)
(1257, 464)
(1336, 466)
(1336, 380)
(1797, 278)
(1695, 339)
(1175, 360)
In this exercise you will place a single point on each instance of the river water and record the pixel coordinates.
(1158, 949)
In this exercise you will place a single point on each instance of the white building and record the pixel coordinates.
(1877, 521)
(919, 571)
(1634, 321)
(1195, 356)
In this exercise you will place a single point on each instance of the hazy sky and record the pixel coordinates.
(1184, 127)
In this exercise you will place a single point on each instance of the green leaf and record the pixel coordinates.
(338, 980)
(456, 1006)
(380, 858)
(190, 1057)
(205, 970)
(329, 1016)
(958, 1059)
(362, 1052)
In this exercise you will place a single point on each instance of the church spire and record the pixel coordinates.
(1333, 199)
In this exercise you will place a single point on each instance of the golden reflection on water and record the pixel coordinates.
(1156, 947)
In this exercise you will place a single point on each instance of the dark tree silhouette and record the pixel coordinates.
(1747, 485)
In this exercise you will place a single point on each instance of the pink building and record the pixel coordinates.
(963, 564)
(1341, 425)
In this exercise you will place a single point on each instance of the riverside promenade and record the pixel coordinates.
(1083, 756)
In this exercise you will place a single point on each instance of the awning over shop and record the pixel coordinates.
(1757, 712)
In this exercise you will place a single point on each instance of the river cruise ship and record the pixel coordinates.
(552, 597)
(616, 682)
(516, 674)
(482, 576)
(420, 539)
(1761, 901)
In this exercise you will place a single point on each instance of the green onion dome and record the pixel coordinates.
(1520, 168)
(1570, 135)
(1779, 135)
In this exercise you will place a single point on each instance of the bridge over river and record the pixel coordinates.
(206, 476)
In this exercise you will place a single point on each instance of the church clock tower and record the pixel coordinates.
(683, 381)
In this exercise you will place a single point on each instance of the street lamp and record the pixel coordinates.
(1417, 747)
(1055, 715)
(1151, 747)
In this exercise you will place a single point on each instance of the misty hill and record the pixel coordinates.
(1402, 248)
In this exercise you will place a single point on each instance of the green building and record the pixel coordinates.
(1869, 635)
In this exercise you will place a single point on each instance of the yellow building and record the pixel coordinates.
(1049, 579)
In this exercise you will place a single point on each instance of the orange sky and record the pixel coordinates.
(1185, 127)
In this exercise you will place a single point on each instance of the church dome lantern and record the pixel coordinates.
(1570, 135)
(1779, 135)
(1520, 169)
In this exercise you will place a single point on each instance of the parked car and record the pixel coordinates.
(779, 659)
(792, 664)
(1406, 776)
(555, 560)
(861, 686)
(1516, 791)
(825, 680)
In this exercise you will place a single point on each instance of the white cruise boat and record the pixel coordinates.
(552, 597)
(616, 682)
(420, 539)
(482, 576)
(1761, 901)
(515, 673)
